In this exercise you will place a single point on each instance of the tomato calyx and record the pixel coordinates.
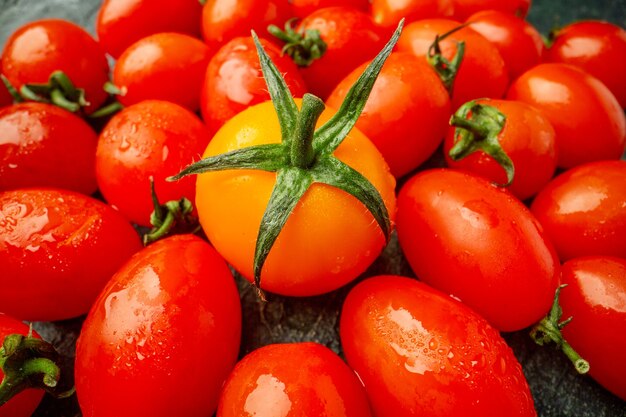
(548, 330)
(303, 47)
(17, 98)
(175, 216)
(305, 155)
(28, 362)
(59, 90)
(477, 129)
(446, 69)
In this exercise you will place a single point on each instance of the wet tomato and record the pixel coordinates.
(151, 139)
(170, 318)
(579, 107)
(234, 80)
(466, 237)
(164, 66)
(406, 114)
(464, 8)
(582, 210)
(37, 49)
(120, 23)
(290, 380)
(421, 353)
(44, 145)
(303, 8)
(57, 250)
(597, 47)
(388, 13)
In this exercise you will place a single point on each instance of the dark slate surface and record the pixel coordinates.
(557, 390)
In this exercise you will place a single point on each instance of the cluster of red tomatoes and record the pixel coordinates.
(301, 198)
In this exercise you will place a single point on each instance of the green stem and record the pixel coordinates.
(113, 90)
(302, 153)
(303, 47)
(107, 110)
(446, 69)
(12, 90)
(58, 98)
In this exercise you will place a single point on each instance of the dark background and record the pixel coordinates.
(557, 389)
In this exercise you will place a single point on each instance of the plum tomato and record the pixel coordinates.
(588, 121)
(597, 47)
(292, 380)
(165, 66)
(234, 80)
(421, 353)
(120, 23)
(149, 139)
(493, 127)
(24, 403)
(519, 43)
(582, 210)
(169, 319)
(303, 8)
(406, 114)
(38, 49)
(481, 73)
(44, 145)
(57, 250)
(389, 12)
(468, 238)
(595, 298)
(465, 8)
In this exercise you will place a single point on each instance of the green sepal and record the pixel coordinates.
(329, 136)
(59, 90)
(446, 69)
(304, 47)
(477, 129)
(17, 98)
(108, 110)
(548, 330)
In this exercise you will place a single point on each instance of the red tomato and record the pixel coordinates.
(292, 380)
(24, 403)
(597, 47)
(482, 72)
(351, 38)
(162, 336)
(149, 139)
(595, 297)
(588, 121)
(120, 23)
(57, 250)
(234, 80)
(406, 114)
(388, 13)
(518, 42)
(303, 8)
(526, 137)
(165, 66)
(421, 353)
(468, 238)
(44, 145)
(465, 8)
(223, 20)
(582, 210)
(37, 49)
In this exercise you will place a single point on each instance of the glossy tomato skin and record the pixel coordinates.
(595, 297)
(388, 13)
(293, 380)
(223, 20)
(527, 138)
(303, 8)
(582, 210)
(24, 403)
(37, 49)
(466, 237)
(149, 139)
(44, 145)
(482, 72)
(588, 121)
(421, 353)
(597, 47)
(518, 42)
(162, 336)
(120, 23)
(330, 237)
(234, 80)
(165, 66)
(57, 250)
(351, 38)
(465, 8)
(406, 113)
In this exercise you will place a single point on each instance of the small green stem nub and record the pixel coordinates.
(447, 70)
(303, 47)
(548, 330)
(302, 153)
